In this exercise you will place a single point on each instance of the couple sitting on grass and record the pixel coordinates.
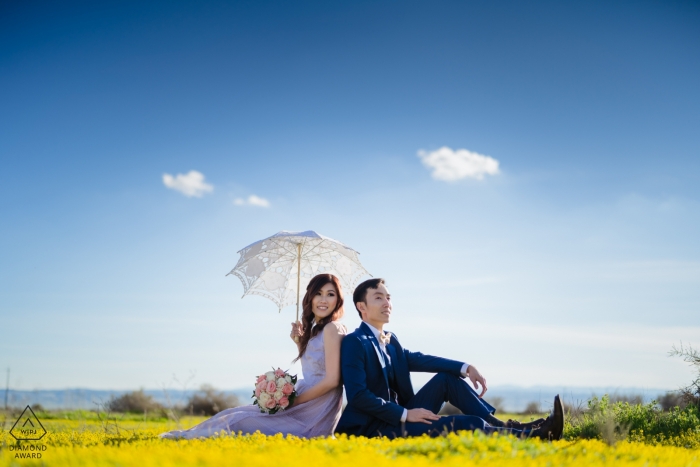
(375, 370)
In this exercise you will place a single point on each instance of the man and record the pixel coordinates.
(381, 402)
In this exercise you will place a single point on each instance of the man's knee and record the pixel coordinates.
(447, 379)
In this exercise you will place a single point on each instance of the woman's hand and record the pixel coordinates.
(297, 332)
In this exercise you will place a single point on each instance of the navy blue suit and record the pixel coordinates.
(379, 388)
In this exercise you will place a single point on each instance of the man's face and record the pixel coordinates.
(377, 308)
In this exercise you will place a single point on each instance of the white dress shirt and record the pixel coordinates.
(375, 331)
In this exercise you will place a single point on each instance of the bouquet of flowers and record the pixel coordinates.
(274, 391)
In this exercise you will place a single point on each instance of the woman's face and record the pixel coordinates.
(325, 301)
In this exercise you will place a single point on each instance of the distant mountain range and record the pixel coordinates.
(81, 398)
(510, 398)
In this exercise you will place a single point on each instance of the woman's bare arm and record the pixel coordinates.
(296, 333)
(332, 336)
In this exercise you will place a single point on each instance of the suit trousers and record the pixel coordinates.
(446, 387)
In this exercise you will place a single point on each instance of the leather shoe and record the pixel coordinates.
(553, 427)
(515, 424)
(558, 415)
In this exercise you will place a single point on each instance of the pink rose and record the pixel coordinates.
(287, 389)
(271, 387)
(257, 392)
(279, 373)
(284, 402)
(260, 378)
(270, 404)
(262, 385)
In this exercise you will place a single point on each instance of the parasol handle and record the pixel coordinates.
(298, 275)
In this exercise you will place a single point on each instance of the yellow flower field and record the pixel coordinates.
(81, 443)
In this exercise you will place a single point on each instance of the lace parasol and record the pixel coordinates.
(279, 266)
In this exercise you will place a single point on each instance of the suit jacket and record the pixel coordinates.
(370, 408)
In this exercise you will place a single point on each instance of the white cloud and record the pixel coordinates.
(252, 201)
(190, 184)
(450, 165)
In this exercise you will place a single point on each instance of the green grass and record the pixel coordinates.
(612, 422)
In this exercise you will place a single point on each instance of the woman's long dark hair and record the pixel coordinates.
(308, 324)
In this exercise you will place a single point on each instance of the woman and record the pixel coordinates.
(316, 409)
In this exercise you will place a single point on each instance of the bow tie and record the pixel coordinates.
(384, 337)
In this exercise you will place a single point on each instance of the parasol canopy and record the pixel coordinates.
(280, 266)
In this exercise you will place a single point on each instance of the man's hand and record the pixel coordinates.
(477, 380)
(421, 415)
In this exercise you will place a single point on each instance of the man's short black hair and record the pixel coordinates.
(360, 294)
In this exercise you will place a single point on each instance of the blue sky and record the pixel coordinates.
(577, 263)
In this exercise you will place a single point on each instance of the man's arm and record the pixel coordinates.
(430, 364)
(355, 380)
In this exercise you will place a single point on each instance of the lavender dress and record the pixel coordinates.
(317, 417)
